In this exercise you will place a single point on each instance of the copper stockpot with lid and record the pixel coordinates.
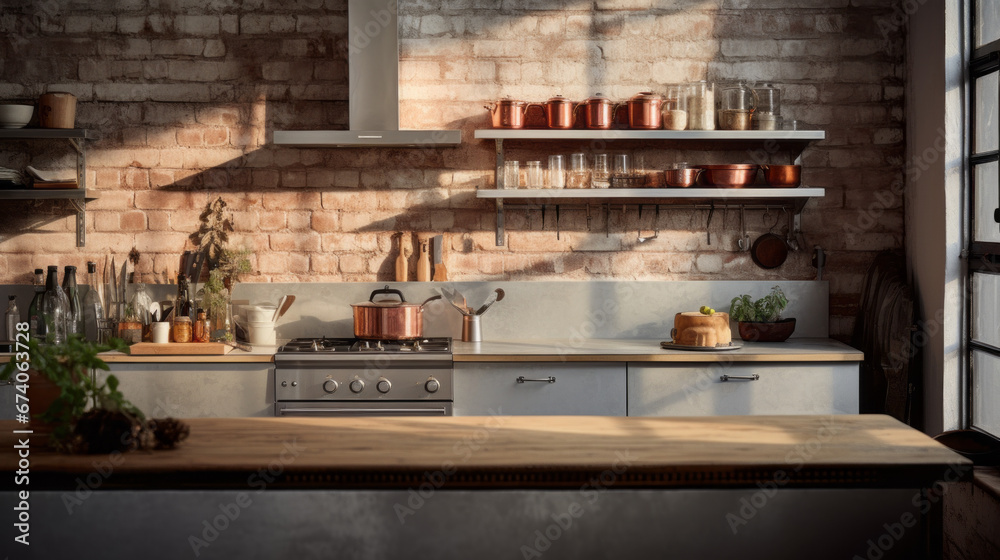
(644, 111)
(560, 112)
(597, 112)
(509, 113)
(389, 319)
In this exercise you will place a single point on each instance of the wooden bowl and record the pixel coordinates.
(779, 331)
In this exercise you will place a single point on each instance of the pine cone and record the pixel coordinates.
(168, 432)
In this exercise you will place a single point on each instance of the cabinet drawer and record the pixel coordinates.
(580, 388)
(197, 390)
(683, 390)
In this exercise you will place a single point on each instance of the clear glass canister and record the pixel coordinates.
(675, 108)
(701, 105)
(768, 107)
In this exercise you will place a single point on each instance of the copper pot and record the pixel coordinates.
(389, 319)
(645, 111)
(682, 177)
(782, 175)
(509, 113)
(732, 176)
(560, 112)
(597, 112)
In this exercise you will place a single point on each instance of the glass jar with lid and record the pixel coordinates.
(675, 113)
(701, 105)
(768, 107)
(182, 331)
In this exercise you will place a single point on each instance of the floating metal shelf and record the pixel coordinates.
(793, 140)
(79, 195)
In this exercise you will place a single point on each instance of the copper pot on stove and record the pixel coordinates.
(598, 112)
(645, 111)
(389, 319)
(509, 113)
(560, 113)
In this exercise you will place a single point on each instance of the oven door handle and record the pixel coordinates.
(339, 410)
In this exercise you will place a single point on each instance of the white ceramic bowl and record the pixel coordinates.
(15, 116)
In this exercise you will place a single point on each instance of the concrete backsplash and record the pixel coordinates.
(185, 94)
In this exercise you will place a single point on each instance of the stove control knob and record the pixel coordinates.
(330, 386)
(357, 386)
(432, 385)
(383, 385)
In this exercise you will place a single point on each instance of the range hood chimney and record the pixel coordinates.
(373, 68)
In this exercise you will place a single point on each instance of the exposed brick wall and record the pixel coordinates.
(186, 94)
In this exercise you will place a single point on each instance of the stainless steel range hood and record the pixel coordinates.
(373, 68)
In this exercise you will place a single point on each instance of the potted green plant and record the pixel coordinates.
(760, 320)
(80, 413)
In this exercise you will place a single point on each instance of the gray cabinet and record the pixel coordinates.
(197, 390)
(524, 388)
(742, 389)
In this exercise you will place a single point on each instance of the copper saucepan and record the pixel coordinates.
(389, 319)
(786, 176)
(509, 113)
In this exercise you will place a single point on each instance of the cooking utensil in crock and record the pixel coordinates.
(782, 176)
(497, 296)
(730, 176)
(389, 319)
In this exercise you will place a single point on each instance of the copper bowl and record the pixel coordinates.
(784, 176)
(682, 177)
(730, 176)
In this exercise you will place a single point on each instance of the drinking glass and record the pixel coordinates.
(511, 174)
(623, 165)
(534, 177)
(600, 178)
(578, 176)
(557, 172)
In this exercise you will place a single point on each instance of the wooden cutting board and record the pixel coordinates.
(180, 348)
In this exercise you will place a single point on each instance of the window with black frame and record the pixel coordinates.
(983, 219)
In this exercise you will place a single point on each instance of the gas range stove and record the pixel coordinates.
(352, 377)
(343, 345)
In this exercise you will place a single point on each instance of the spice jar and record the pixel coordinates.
(182, 329)
(701, 106)
(201, 327)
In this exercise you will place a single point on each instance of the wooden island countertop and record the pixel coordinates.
(517, 452)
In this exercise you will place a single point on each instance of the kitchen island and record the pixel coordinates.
(571, 487)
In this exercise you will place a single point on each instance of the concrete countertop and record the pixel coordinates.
(648, 350)
(572, 350)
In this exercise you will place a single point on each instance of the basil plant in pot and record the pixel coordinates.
(760, 320)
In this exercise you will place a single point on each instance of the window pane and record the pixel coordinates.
(986, 309)
(987, 22)
(986, 392)
(987, 201)
(986, 113)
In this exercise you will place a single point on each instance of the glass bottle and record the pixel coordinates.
(182, 305)
(202, 328)
(35, 307)
(93, 307)
(140, 304)
(13, 317)
(55, 308)
(74, 319)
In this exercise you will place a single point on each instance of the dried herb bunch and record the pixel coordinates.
(89, 416)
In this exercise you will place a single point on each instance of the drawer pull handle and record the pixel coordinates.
(753, 377)
(523, 379)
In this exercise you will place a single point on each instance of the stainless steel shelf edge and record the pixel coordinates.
(715, 193)
(368, 138)
(48, 194)
(44, 133)
(750, 135)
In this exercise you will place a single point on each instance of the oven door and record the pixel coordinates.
(370, 408)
